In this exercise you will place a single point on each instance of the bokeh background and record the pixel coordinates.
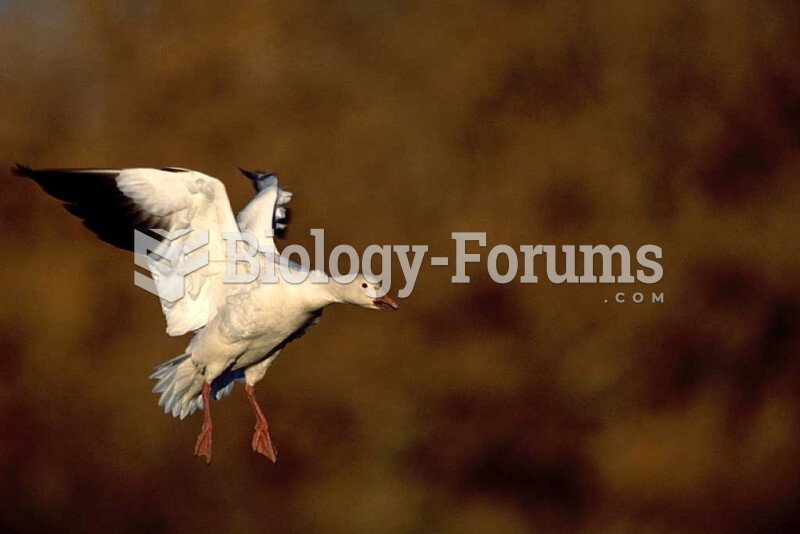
(476, 408)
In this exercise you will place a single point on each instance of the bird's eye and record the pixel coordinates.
(364, 285)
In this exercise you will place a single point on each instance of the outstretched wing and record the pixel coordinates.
(266, 215)
(115, 202)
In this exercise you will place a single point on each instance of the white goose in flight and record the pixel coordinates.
(239, 329)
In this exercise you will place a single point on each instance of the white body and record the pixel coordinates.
(239, 328)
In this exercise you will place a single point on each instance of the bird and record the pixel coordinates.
(238, 330)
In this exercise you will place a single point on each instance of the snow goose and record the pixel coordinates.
(239, 329)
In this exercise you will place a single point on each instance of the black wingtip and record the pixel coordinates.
(252, 175)
(256, 175)
(22, 170)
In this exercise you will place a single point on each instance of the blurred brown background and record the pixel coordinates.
(476, 408)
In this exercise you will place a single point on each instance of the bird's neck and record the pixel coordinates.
(321, 295)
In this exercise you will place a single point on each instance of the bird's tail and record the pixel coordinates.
(180, 383)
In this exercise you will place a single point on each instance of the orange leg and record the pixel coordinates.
(262, 443)
(203, 446)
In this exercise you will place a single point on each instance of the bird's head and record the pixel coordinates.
(366, 294)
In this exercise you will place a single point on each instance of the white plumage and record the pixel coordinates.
(239, 329)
